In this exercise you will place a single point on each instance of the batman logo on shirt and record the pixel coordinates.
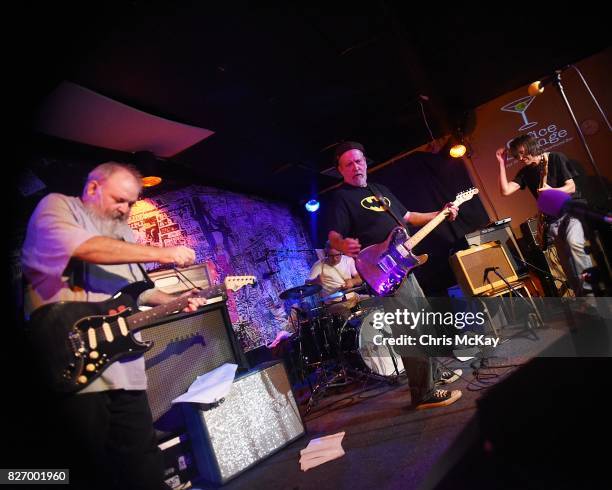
(371, 203)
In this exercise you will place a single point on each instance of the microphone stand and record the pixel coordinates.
(547, 274)
(512, 290)
(557, 83)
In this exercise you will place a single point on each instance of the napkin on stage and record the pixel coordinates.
(210, 387)
(321, 450)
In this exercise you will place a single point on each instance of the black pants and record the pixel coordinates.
(108, 441)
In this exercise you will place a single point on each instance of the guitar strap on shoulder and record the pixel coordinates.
(380, 198)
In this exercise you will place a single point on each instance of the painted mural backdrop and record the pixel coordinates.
(233, 234)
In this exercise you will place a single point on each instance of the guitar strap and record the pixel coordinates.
(379, 197)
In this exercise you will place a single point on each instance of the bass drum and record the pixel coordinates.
(358, 345)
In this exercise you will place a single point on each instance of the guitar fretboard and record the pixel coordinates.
(143, 318)
(425, 230)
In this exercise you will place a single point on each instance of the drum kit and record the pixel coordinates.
(334, 338)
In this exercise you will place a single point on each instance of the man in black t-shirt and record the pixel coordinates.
(565, 231)
(354, 219)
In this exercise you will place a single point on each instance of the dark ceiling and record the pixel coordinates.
(281, 85)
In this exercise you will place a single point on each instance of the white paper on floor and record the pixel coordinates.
(321, 450)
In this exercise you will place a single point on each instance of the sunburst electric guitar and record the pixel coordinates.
(75, 341)
(385, 265)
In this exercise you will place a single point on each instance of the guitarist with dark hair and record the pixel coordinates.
(82, 249)
(356, 219)
(542, 171)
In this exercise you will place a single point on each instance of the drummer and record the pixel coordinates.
(336, 273)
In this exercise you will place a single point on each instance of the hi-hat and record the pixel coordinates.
(300, 292)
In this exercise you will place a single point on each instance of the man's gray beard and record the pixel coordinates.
(106, 226)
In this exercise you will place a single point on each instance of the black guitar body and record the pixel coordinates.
(75, 341)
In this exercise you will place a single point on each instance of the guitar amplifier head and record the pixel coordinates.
(174, 281)
(470, 267)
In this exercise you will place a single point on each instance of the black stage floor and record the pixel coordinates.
(389, 446)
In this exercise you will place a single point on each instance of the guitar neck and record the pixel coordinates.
(142, 319)
(425, 230)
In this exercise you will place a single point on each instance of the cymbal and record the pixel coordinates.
(336, 295)
(300, 292)
(340, 293)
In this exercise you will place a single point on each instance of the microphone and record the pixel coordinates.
(555, 203)
(269, 274)
(486, 273)
(537, 87)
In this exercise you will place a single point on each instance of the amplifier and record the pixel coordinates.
(174, 281)
(547, 263)
(470, 267)
(184, 347)
(258, 417)
(502, 232)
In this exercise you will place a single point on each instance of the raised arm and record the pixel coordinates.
(506, 188)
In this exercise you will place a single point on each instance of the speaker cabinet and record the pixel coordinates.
(506, 238)
(185, 347)
(258, 417)
(470, 267)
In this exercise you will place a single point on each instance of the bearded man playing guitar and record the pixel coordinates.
(544, 171)
(356, 217)
(81, 249)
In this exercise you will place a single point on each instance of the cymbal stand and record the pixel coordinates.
(330, 373)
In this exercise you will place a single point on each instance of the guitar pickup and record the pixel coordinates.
(404, 252)
(387, 263)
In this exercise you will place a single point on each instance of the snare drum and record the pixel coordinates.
(357, 336)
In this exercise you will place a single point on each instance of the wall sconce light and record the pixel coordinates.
(460, 145)
(147, 164)
(457, 150)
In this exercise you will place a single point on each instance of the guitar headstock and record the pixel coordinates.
(236, 282)
(465, 196)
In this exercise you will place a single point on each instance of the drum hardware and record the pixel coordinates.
(334, 340)
(343, 292)
(300, 292)
(375, 362)
(352, 354)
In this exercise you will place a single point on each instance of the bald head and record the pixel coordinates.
(103, 171)
(112, 189)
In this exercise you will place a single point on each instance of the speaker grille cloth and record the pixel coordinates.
(184, 349)
(257, 417)
(476, 263)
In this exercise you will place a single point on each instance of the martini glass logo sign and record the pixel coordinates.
(520, 106)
